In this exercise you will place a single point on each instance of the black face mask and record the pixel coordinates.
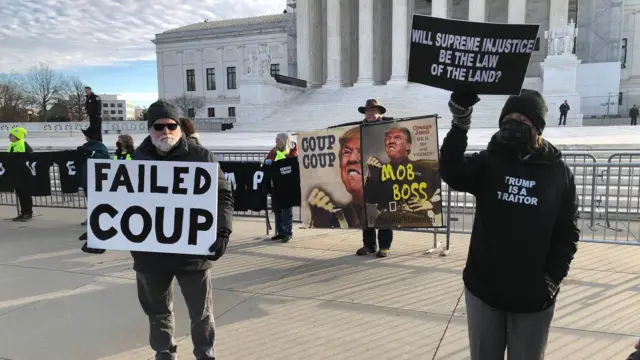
(516, 134)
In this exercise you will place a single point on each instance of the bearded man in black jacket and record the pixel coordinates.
(525, 231)
(155, 271)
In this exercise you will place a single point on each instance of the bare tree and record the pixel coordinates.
(12, 100)
(75, 99)
(187, 102)
(43, 87)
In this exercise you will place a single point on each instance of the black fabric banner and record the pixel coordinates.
(248, 183)
(490, 58)
(68, 166)
(33, 171)
(285, 179)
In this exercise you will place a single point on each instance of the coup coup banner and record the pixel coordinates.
(492, 58)
(402, 181)
(152, 206)
(331, 178)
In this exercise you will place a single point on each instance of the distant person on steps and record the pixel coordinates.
(564, 110)
(633, 114)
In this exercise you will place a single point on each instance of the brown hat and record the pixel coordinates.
(372, 103)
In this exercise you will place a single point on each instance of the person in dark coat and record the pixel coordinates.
(93, 107)
(155, 271)
(525, 231)
(633, 114)
(284, 149)
(17, 144)
(564, 110)
(93, 148)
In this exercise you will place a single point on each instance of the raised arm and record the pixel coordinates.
(460, 172)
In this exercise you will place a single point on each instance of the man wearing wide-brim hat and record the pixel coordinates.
(354, 212)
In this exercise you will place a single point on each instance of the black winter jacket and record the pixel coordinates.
(93, 105)
(525, 225)
(172, 263)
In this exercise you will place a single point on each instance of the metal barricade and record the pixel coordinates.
(608, 192)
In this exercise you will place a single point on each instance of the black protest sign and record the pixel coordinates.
(489, 58)
(285, 177)
(247, 181)
(152, 206)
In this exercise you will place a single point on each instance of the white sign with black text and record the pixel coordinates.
(152, 206)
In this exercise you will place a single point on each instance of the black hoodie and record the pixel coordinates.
(525, 225)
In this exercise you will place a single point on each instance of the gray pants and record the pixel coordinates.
(491, 331)
(155, 292)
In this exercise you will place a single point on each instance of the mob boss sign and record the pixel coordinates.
(491, 58)
(153, 206)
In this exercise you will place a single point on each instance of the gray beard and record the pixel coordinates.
(165, 145)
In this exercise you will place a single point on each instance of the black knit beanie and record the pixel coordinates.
(161, 110)
(529, 103)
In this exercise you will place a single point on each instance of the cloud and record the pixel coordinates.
(68, 33)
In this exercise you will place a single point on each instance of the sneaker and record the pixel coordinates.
(383, 253)
(18, 218)
(83, 237)
(365, 251)
(277, 237)
(286, 238)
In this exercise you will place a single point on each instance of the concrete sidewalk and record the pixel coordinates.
(308, 299)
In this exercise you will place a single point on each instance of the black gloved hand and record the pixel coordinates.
(461, 105)
(552, 287)
(220, 246)
(89, 250)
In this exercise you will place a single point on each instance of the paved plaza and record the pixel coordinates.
(308, 299)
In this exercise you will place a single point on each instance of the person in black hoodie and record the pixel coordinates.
(525, 231)
(155, 271)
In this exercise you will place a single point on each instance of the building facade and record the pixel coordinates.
(346, 43)
(116, 108)
(206, 60)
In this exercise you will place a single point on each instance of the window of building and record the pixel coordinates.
(120, 112)
(120, 118)
(105, 105)
(211, 112)
(231, 78)
(119, 104)
(620, 95)
(106, 111)
(211, 79)
(191, 112)
(113, 105)
(113, 111)
(275, 69)
(623, 54)
(232, 112)
(191, 80)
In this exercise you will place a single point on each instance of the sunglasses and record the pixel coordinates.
(160, 127)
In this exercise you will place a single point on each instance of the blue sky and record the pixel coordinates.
(136, 80)
(106, 43)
